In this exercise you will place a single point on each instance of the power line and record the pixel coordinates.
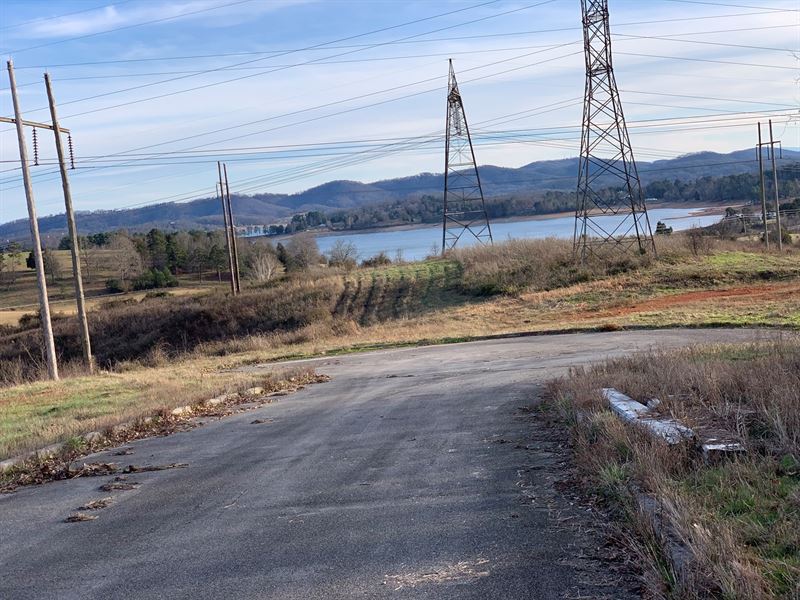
(668, 38)
(321, 62)
(273, 70)
(729, 5)
(338, 113)
(709, 60)
(696, 97)
(706, 43)
(432, 40)
(369, 155)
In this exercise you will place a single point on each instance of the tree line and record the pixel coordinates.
(741, 188)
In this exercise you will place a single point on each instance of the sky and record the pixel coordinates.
(294, 93)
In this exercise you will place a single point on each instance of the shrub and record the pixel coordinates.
(155, 278)
(116, 286)
(379, 260)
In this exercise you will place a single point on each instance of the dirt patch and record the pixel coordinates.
(749, 293)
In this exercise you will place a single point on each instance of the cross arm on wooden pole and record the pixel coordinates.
(34, 124)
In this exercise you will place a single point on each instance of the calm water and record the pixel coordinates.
(416, 244)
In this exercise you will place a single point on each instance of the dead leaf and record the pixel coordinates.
(78, 517)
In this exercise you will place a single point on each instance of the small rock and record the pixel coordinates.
(9, 464)
(92, 437)
(119, 429)
(181, 410)
(215, 401)
(254, 391)
(49, 450)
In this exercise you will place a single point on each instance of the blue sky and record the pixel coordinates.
(337, 89)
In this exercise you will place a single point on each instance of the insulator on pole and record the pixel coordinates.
(71, 152)
(35, 149)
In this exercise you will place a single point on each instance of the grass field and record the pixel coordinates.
(20, 297)
(535, 288)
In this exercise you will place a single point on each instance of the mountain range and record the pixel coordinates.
(259, 209)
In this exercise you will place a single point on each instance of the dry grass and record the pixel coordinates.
(38, 414)
(738, 519)
(511, 287)
(420, 303)
(159, 349)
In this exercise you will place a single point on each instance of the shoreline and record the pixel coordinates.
(695, 210)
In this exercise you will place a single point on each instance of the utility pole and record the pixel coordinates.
(233, 230)
(763, 190)
(228, 244)
(86, 344)
(44, 305)
(772, 143)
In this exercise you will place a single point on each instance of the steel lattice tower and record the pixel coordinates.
(608, 182)
(464, 206)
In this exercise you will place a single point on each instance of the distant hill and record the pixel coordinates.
(204, 213)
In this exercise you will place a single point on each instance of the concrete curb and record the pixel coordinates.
(631, 411)
(671, 431)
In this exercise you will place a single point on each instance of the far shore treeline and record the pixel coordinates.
(348, 205)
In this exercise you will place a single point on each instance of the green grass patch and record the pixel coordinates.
(760, 500)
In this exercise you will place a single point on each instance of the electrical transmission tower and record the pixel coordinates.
(464, 207)
(611, 214)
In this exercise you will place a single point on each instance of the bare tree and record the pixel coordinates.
(343, 254)
(51, 266)
(302, 251)
(124, 258)
(91, 256)
(14, 251)
(264, 266)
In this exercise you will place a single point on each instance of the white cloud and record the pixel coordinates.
(210, 13)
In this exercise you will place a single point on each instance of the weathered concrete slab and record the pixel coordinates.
(631, 411)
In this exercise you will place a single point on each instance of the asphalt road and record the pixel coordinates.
(414, 473)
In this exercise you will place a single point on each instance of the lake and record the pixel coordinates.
(417, 243)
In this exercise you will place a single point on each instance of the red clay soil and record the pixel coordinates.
(762, 292)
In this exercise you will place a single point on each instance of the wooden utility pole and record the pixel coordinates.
(44, 305)
(772, 143)
(763, 190)
(86, 344)
(228, 244)
(233, 230)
